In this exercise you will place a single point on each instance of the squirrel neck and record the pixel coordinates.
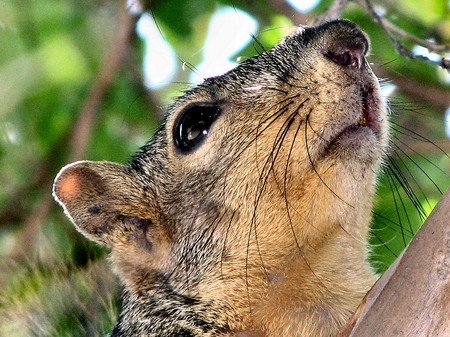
(301, 293)
(308, 296)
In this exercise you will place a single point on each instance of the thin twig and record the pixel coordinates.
(334, 12)
(31, 227)
(428, 44)
(283, 7)
(90, 109)
(18, 204)
(400, 47)
(435, 96)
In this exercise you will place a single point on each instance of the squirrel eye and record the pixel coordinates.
(192, 127)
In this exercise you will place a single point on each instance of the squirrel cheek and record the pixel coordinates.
(136, 265)
(139, 250)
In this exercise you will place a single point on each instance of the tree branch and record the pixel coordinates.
(299, 19)
(91, 106)
(435, 96)
(83, 127)
(334, 12)
(400, 47)
(424, 269)
(428, 44)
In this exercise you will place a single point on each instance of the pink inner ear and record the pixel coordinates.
(68, 186)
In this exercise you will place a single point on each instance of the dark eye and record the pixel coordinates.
(192, 127)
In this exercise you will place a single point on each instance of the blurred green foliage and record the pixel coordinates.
(52, 53)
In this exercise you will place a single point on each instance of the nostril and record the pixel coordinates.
(352, 58)
(345, 59)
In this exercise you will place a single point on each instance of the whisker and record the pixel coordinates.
(314, 166)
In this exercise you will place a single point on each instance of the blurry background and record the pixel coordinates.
(84, 80)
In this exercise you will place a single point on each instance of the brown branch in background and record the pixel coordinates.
(83, 127)
(18, 204)
(89, 112)
(300, 19)
(427, 44)
(32, 225)
(16, 207)
(282, 7)
(388, 27)
(439, 98)
(334, 12)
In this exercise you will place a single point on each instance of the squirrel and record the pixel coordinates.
(248, 212)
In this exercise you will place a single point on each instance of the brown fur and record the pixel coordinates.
(262, 229)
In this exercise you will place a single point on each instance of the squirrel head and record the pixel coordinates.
(248, 171)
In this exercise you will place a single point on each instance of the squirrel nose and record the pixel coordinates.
(347, 57)
(344, 44)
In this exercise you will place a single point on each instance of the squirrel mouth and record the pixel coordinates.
(368, 116)
(361, 127)
(367, 122)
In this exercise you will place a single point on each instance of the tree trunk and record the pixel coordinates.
(412, 298)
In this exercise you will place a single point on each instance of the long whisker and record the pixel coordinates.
(314, 166)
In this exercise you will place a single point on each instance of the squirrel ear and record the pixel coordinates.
(96, 196)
